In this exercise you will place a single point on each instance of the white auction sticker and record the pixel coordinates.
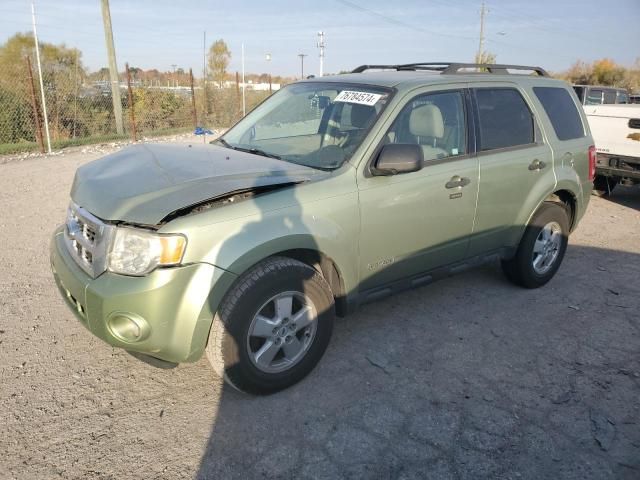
(363, 98)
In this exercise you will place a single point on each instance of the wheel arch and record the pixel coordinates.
(309, 253)
(568, 199)
(327, 267)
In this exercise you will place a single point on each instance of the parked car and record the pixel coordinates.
(598, 95)
(333, 192)
(616, 132)
(634, 98)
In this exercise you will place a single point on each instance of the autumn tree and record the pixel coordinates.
(607, 72)
(603, 72)
(485, 57)
(219, 57)
(579, 73)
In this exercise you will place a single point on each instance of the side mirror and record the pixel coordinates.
(396, 158)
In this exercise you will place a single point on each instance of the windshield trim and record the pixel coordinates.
(391, 91)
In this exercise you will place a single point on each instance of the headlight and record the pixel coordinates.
(137, 252)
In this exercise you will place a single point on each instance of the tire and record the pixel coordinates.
(531, 267)
(603, 186)
(242, 327)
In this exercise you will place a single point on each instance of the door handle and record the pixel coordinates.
(537, 165)
(457, 181)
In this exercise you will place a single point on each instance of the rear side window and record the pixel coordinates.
(622, 97)
(505, 119)
(562, 112)
(594, 97)
(609, 96)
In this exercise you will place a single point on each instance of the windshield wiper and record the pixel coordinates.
(255, 151)
(224, 143)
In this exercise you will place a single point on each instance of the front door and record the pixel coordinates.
(415, 222)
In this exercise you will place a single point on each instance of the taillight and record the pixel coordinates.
(592, 163)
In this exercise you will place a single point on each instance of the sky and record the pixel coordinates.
(149, 34)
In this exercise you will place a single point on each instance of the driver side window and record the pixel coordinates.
(436, 122)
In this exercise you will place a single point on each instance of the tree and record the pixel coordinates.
(603, 72)
(219, 57)
(579, 73)
(485, 57)
(607, 72)
(62, 73)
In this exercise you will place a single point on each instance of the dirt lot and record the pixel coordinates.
(467, 378)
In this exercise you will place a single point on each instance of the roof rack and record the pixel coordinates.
(448, 68)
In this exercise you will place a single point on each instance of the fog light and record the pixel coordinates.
(128, 327)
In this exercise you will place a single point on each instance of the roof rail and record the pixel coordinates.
(448, 68)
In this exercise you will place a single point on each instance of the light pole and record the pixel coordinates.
(175, 82)
(302, 55)
(321, 47)
(267, 57)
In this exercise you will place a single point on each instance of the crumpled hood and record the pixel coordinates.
(144, 183)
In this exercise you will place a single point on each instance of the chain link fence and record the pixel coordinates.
(80, 106)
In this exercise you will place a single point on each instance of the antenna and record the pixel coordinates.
(320, 45)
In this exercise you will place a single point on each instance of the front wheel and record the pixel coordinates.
(541, 249)
(273, 327)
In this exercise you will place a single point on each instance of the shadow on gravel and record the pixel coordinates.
(470, 377)
(627, 196)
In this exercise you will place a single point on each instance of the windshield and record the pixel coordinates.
(319, 124)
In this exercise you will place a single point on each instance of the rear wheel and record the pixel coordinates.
(541, 249)
(273, 327)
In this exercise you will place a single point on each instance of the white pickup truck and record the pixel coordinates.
(616, 132)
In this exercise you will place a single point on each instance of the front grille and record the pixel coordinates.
(87, 239)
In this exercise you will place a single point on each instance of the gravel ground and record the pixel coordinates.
(470, 377)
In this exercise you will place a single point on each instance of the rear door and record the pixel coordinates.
(516, 165)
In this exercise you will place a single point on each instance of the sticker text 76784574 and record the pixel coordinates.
(363, 98)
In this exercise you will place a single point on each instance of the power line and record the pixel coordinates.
(400, 23)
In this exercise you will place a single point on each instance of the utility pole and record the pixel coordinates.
(132, 110)
(267, 57)
(483, 11)
(44, 101)
(34, 105)
(321, 47)
(205, 110)
(175, 82)
(193, 101)
(244, 102)
(302, 55)
(113, 67)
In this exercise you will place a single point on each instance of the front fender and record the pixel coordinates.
(236, 237)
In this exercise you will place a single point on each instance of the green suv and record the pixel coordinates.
(333, 192)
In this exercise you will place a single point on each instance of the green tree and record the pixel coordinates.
(219, 57)
(62, 73)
